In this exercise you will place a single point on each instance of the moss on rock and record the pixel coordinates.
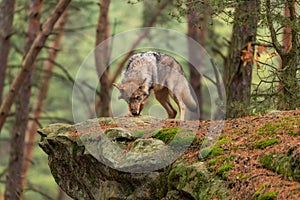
(196, 181)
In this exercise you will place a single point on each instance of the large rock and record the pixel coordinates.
(126, 159)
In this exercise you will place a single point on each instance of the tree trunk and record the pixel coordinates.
(288, 84)
(102, 59)
(14, 187)
(6, 21)
(289, 97)
(29, 60)
(238, 77)
(287, 44)
(39, 102)
(197, 24)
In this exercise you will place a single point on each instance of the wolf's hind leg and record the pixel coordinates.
(162, 97)
(182, 107)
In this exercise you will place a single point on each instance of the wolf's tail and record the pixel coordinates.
(189, 99)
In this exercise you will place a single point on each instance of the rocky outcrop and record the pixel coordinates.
(255, 157)
(127, 159)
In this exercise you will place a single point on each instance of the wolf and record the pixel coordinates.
(160, 73)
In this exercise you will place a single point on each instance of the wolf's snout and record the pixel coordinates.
(134, 113)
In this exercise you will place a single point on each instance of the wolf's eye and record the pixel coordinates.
(139, 98)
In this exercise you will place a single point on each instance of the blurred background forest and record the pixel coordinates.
(253, 44)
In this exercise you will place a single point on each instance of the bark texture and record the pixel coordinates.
(238, 77)
(102, 58)
(6, 21)
(197, 30)
(289, 53)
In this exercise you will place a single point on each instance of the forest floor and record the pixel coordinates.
(237, 155)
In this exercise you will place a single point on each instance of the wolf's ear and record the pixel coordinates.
(119, 86)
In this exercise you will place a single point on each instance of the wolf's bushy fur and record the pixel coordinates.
(161, 73)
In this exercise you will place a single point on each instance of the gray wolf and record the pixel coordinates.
(158, 72)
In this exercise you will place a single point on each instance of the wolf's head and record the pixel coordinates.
(135, 95)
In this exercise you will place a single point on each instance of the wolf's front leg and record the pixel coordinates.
(182, 108)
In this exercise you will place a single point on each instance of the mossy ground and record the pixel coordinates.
(262, 144)
(243, 155)
(237, 154)
(261, 195)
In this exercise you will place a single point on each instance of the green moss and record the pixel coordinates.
(267, 160)
(92, 178)
(223, 170)
(216, 150)
(139, 134)
(212, 162)
(174, 136)
(241, 176)
(194, 179)
(268, 195)
(211, 152)
(262, 144)
(205, 142)
(165, 134)
(295, 191)
(268, 129)
(287, 125)
(257, 193)
(288, 166)
(223, 141)
(224, 158)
